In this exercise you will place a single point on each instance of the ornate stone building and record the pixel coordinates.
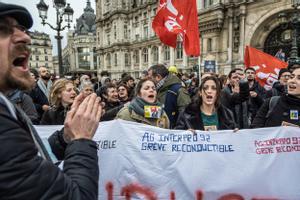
(127, 43)
(79, 54)
(41, 51)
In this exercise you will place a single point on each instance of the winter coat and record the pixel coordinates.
(39, 99)
(24, 101)
(277, 90)
(26, 175)
(255, 103)
(125, 114)
(54, 116)
(111, 110)
(281, 112)
(237, 103)
(191, 118)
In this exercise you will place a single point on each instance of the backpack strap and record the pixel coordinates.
(171, 103)
(273, 102)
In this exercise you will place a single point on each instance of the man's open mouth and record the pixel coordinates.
(21, 61)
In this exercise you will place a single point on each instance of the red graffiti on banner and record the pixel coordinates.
(148, 194)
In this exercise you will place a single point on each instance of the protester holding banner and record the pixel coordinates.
(206, 112)
(145, 108)
(279, 88)
(62, 95)
(25, 165)
(287, 106)
(235, 97)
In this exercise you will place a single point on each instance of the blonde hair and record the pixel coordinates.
(56, 90)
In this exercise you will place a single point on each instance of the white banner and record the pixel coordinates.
(144, 162)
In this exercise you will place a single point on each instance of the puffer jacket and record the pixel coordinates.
(191, 118)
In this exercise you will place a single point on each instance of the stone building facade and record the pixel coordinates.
(41, 51)
(126, 41)
(79, 54)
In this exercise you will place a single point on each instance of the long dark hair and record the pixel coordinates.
(218, 95)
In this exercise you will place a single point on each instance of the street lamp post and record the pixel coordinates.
(61, 11)
(294, 59)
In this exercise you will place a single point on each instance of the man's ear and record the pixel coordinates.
(158, 77)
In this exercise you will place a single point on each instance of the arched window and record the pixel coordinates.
(155, 54)
(166, 53)
(145, 55)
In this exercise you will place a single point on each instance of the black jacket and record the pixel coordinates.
(255, 102)
(25, 175)
(111, 110)
(237, 103)
(280, 113)
(54, 116)
(190, 118)
(277, 90)
(39, 99)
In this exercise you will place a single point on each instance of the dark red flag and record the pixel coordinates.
(178, 17)
(266, 66)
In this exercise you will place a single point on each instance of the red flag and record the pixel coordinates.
(178, 17)
(266, 66)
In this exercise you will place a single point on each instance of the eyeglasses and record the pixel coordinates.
(286, 76)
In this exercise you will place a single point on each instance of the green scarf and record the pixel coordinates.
(137, 105)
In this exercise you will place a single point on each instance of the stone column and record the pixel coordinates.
(184, 59)
(242, 31)
(140, 59)
(76, 59)
(172, 56)
(160, 54)
(230, 36)
(149, 57)
(92, 67)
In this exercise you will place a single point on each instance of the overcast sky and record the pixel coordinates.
(77, 5)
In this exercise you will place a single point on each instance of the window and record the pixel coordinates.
(166, 53)
(108, 39)
(108, 60)
(209, 45)
(45, 51)
(125, 32)
(46, 58)
(136, 57)
(46, 64)
(208, 3)
(115, 32)
(116, 59)
(145, 55)
(37, 58)
(127, 59)
(155, 54)
(145, 32)
(179, 52)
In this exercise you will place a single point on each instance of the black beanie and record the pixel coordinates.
(19, 13)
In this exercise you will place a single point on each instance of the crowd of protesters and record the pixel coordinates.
(163, 97)
(217, 102)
